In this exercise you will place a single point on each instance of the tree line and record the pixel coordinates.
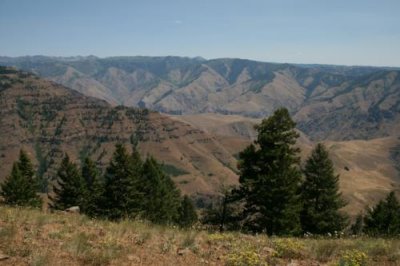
(129, 189)
(276, 195)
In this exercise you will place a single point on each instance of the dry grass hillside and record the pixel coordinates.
(47, 120)
(31, 237)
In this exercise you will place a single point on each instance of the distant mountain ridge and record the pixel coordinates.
(328, 102)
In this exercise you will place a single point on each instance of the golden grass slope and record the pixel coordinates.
(31, 237)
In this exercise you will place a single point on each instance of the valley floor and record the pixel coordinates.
(31, 237)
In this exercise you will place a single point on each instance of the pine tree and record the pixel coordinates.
(384, 218)
(270, 177)
(122, 197)
(224, 211)
(320, 195)
(187, 213)
(20, 187)
(25, 166)
(162, 197)
(93, 187)
(358, 226)
(70, 188)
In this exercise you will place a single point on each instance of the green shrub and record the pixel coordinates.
(288, 248)
(353, 257)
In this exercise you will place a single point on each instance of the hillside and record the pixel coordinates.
(198, 151)
(328, 102)
(31, 237)
(47, 119)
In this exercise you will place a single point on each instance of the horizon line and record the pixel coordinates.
(199, 57)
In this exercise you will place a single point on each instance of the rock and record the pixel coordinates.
(73, 209)
(182, 251)
(134, 258)
(3, 256)
(269, 251)
(203, 261)
(293, 263)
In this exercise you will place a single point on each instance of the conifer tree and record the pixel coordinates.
(224, 211)
(320, 195)
(358, 226)
(19, 188)
(187, 213)
(122, 197)
(25, 166)
(270, 177)
(93, 187)
(70, 188)
(162, 197)
(384, 218)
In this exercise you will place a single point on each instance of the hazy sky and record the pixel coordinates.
(350, 32)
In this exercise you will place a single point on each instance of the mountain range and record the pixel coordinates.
(196, 115)
(328, 102)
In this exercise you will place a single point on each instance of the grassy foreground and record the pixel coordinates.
(31, 237)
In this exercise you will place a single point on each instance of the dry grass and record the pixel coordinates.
(30, 237)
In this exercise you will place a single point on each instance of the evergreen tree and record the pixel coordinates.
(187, 213)
(358, 226)
(162, 197)
(70, 188)
(270, 177)
(224, 213)
(19, 188)
(93, 187)
(320, 195)
(25, 166)
(384, 218)
(122, 197)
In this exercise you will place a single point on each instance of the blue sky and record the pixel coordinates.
(349, 32)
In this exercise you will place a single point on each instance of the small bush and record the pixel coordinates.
(325, 250)
(353, 258)
(288, 248)
(245, 254)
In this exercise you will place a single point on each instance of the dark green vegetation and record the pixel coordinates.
(320, 195)
(19, 189)
(384, 218)
(70, 188)
(269, 179)
(130, 188)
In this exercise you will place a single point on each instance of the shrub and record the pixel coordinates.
(288, 248)
(245, 254)
(353, 258)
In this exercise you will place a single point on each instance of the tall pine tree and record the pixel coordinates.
(320, 195)
(187, 213)
(122, 197)
(20, 187)
(384, 218)
(93, 187)
(162, 200)
(70, 188)
(270, 177)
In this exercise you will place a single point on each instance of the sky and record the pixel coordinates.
(344, 32)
